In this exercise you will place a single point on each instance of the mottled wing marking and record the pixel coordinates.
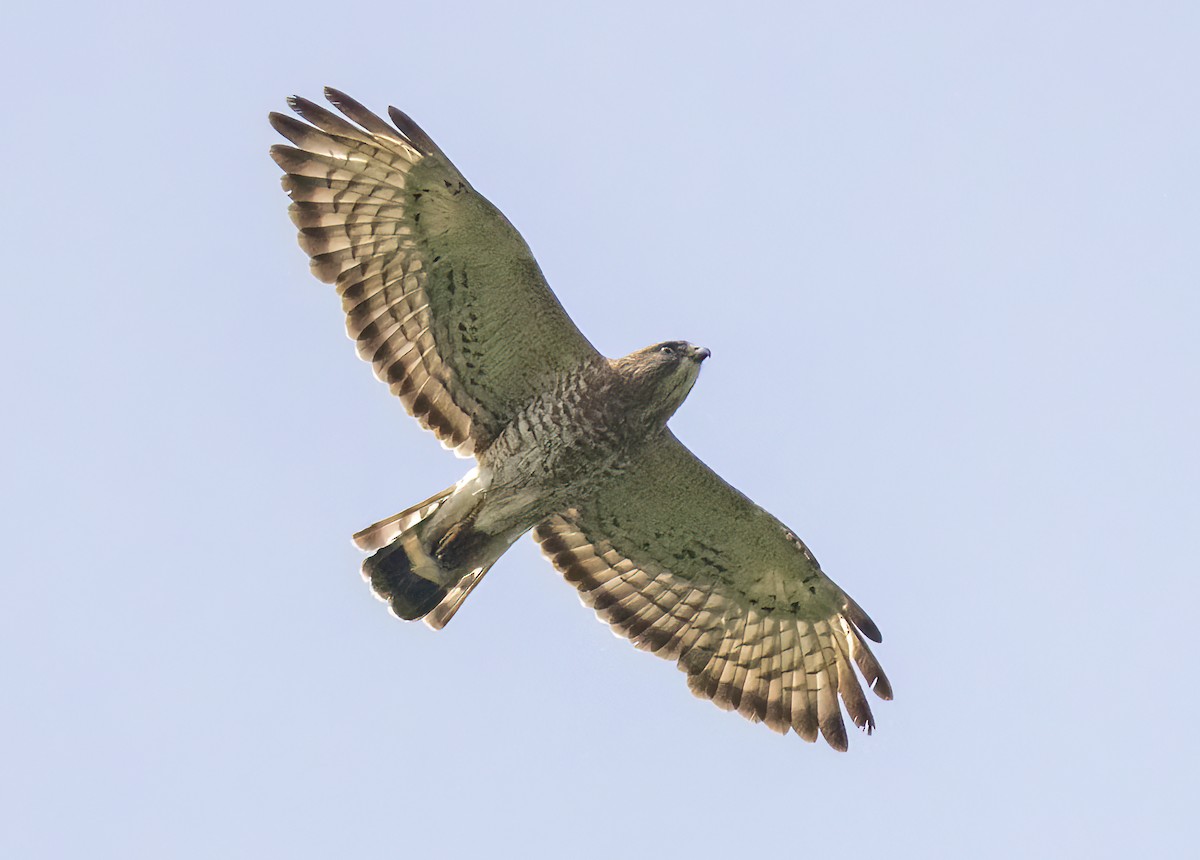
(686, 567)
(441, 293)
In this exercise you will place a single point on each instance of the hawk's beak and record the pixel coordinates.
(701, 354)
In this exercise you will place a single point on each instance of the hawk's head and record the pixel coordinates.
(659, 377)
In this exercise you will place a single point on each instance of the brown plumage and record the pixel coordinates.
(446, 301)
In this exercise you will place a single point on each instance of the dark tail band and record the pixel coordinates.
(410, 595)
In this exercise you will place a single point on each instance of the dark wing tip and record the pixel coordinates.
(302, 105)
(359, 114)
(288, 157)
(282, 154)
(862, 621)
(344, 103)
(834, 732)
(288, 126)
(335, 96)
(415, 134)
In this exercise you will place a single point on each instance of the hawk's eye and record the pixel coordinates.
(667, 350)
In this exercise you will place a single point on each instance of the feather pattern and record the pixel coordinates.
(382, 533)
(433, 279)
(684, 566)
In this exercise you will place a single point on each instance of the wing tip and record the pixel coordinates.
(336, 96)
(302, 106)
(859, 618)
(413, 132)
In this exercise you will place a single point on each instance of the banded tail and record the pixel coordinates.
(424, 567)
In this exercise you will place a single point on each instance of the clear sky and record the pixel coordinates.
(946, 258)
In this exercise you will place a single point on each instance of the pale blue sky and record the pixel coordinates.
(946, 258)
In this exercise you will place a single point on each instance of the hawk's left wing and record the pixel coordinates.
(685, 566)
(441, 293)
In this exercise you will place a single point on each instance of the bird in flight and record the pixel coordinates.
(446, 301)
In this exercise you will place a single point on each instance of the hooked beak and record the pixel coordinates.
(701, 353)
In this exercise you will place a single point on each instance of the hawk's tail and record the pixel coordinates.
(384, 532)
(423, 568)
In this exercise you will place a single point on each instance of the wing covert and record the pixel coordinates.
(441, 293)
(685, 566)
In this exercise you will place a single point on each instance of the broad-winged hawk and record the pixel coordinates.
(446, 301)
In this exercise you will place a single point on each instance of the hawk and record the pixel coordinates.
(446, 301)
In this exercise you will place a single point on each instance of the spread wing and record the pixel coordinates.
(441, 293)
(687, 567)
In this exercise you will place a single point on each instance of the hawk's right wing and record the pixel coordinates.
(685, 566)
(441, 293)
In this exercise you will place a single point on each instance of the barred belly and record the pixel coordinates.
(563, 444)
